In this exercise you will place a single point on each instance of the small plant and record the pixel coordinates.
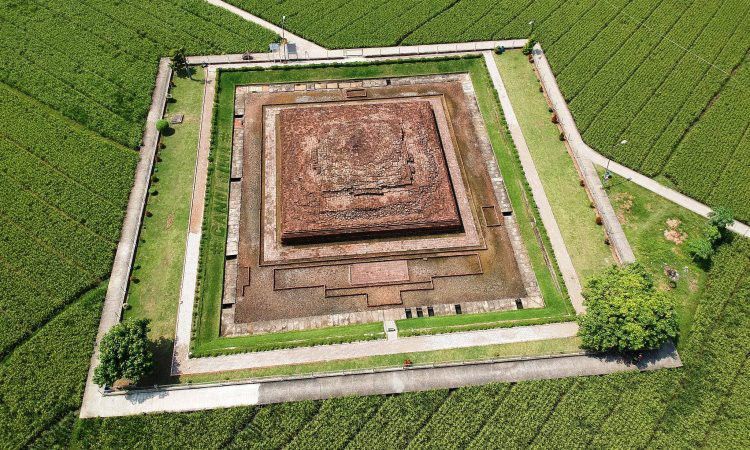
(562, 136)
(554, 118)
(529, 47)
(500, 49)
(703, 247)
(598, 219)
(162, 125)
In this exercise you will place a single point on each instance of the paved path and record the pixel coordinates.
(118, 280)
(387, 381)
(334, 352)
(361, 54)
(570, 276)
(303, 45)
(588, 155)
(616, 235)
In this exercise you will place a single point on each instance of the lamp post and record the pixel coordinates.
(607, 173)
(531, 24)
(285, 57)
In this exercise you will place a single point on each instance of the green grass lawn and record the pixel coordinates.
(161, 252)
(206, 326)
(570, 204)
(305, 338)
(644, 217)
(544, 347)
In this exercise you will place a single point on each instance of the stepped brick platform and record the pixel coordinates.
(362, 200)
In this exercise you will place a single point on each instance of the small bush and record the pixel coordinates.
(162, 125)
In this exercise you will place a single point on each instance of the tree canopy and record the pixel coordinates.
(625, 312)
(124, 353)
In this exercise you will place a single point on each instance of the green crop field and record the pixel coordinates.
(75, 85)
(670, 77)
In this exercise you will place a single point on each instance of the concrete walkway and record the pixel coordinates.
(361, 54)
(616, 235)
(588, 155)
(121, 268)
(570, 276)
(386, 381)
(303, 45)
(362, 349)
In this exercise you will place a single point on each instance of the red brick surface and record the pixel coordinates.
(363, 170)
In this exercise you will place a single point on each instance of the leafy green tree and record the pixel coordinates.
(700, 248)
(124, 353)
(179, 63)
(714, 233)
(625, 312)
(721, 217)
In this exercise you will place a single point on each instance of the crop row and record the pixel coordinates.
(626, 60)
(40, 383)
(460, 418)
(336, 423)
(577, 38)
(587, 63)
(539, 12)
(647, 77)
(40, 263)
(48, 226)
(576, 418)
(53, 42)
(523, 411)
(693, 83)
(387, 24)
(274, 426)
(24, 304)
(101, 166)
(64, 193)
(398, 419)
(721, 353)
(708, 149)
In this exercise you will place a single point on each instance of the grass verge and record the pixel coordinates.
(644, 217)
(570, 203)
(533, 348)
(157, 270)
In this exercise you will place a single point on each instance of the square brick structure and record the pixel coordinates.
(362, 169)
(352, 208)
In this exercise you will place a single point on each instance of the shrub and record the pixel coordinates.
(700, 248)
(125, 353)
(162, 125)
(721, 218)
(624, 312)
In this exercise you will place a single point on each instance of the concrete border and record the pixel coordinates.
(387, 381)
(122, 266)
